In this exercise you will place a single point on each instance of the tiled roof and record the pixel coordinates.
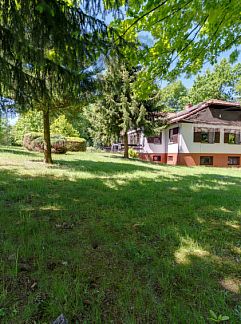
(194, 109)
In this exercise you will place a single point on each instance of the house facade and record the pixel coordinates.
(206, 134)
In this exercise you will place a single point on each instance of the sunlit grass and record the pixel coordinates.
(102, 240)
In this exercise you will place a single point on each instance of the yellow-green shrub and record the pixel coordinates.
(133, 154)
(76, 144)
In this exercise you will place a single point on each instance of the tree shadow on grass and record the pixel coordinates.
(16, 151)
(101, 167)
(145, 250)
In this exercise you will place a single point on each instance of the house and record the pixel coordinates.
(205, 134)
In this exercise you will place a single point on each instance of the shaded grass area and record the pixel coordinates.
(105, 240)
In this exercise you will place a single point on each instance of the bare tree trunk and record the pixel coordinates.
(47, 144)
(126, 148)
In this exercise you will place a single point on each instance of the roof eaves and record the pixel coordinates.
(186, 113)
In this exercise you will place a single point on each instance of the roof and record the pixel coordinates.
(184, 114)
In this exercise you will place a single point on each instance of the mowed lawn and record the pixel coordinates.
(104, 240)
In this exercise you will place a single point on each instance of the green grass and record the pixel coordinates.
(104, 240)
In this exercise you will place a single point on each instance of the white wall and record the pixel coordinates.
(165, 147)
(186, 144)
(172, 147)
(154, 148)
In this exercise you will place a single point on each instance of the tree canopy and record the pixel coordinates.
(184, 34)
(220, 83)
(172, 96)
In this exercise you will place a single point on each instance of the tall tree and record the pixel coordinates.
(46, 51)
(217, 84)
(172, 96)
(119, 108)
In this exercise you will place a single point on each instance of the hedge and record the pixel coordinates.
(76, 144)
(35, 142)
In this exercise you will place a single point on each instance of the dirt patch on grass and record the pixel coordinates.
(231, 284)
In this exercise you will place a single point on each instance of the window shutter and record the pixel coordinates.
(160, 137)
(237, 138)
(217, 136)
(226, 137)
(211, 136)
(175, 130)
(197, 137)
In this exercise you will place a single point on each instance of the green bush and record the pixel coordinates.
(35, 142)
(28, 141)
(76, 144)
(58, 144)
(133, 154)
(32, 121)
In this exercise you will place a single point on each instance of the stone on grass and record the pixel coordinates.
(60, 320)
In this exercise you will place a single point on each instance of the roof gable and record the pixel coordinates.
(186, 115)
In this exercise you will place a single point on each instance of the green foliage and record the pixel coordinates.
(218, 318)
(119, 109)
(35, 142)
(217, 84)
(2, 312)
(80, 122)
(133, 154)
(52, 57)
(5, 132)
(30, 121)
(184, 34)
(60, 39)
(62, 126)
(76, 144)
(172, 97)
(76, 139)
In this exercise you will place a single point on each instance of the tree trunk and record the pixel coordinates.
(126, 148)
(47, 144)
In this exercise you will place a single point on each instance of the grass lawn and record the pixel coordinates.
(104, 240)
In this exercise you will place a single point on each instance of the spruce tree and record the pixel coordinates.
(119, 109)
(46, 51)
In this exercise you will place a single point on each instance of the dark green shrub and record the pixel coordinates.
(29, 138)
(76, 144)
(58, 144)
(35, 142)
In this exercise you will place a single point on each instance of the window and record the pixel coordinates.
(232, 136)
(206, 135)
(233, 160)
(155, 139)
(156, 158)
(134, 138)
(173, 135)
(170, 158)
(206, 160)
